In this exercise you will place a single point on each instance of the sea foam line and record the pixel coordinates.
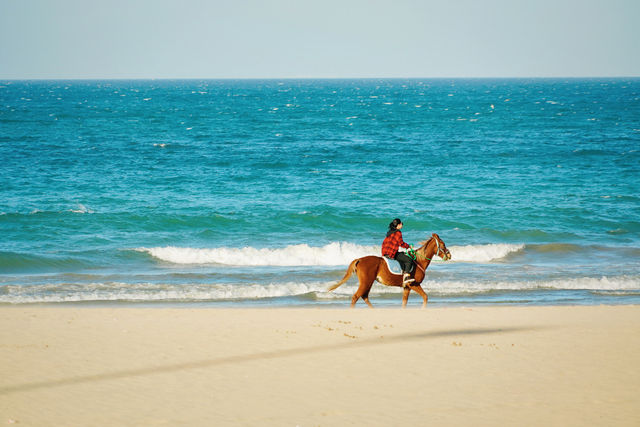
(332, 254)
(141, 292)
(158, 292)
(337, 253)
(620, 283)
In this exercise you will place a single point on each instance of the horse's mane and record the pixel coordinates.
(423, 247)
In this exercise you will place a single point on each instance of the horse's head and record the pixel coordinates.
(440, 247)
(441, 250)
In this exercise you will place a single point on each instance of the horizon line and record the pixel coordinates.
(314, 78)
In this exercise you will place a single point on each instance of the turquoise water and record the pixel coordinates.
(260, 192)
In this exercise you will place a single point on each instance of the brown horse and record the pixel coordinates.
(371, 268)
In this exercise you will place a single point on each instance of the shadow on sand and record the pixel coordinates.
(230, 360)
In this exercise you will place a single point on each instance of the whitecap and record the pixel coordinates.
(337, 253)
(332, 254)
(81, 209)
(483, 253)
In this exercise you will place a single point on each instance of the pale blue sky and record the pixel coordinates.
(328, 38)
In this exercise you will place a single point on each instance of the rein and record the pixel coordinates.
(412, 254)
(437, 251)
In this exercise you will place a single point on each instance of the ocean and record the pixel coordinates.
(236, 193)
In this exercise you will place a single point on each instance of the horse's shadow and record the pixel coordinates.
(237, 359)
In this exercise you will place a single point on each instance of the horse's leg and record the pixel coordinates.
(366, 277)
(422, 293)
(355, 299)
(365, 297)
(405, 296)
(361, 292)
(359, 295)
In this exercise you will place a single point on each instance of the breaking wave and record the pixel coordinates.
(312, 291)
(336, 253)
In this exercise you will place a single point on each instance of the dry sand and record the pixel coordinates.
(69, 366)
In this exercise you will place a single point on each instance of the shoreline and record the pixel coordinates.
(413, 304)
(378, 304)
(524, 365)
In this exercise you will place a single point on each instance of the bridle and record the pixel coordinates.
(438, 251)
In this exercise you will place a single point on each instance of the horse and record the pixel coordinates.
(371, 268)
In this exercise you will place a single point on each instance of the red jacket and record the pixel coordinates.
(391, 244)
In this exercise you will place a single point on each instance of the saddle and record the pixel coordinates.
(393, 265)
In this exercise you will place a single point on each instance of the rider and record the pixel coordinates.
(390, 247)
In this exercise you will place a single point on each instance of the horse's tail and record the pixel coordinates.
(350, 271)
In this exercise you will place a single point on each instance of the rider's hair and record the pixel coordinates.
(393, 226)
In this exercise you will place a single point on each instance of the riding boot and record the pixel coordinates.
(406, 280)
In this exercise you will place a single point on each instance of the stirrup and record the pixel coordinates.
(406, 280)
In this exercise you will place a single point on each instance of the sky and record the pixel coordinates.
(137, 39)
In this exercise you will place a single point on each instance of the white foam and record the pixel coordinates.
(336, 253)
(483, 253)
(571, 283)
(141, 292)
(149, 292)
(81, 209)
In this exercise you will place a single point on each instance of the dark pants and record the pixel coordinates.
(405, 262)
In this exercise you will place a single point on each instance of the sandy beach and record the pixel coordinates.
(316, 367)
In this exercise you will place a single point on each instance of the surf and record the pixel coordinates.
(332, 254)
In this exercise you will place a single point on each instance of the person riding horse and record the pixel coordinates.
(390, 247)
(373, 268)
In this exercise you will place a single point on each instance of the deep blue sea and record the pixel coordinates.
(261, 192)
